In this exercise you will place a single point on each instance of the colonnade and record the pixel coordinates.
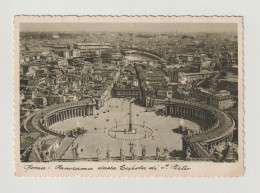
(192, 113)
(72, 112)
(226, 139)
(213, 118)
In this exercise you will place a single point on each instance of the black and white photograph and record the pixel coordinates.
(129, 96)
(138, 92)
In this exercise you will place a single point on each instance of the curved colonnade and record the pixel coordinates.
(44, 119)
(219, 125)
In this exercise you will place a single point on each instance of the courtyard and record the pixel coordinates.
(108, 129)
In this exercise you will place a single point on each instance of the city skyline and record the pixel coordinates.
(98, 93)
(131, 27)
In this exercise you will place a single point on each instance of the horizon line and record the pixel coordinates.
(131, 27)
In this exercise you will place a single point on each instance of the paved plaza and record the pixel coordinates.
(152, 131)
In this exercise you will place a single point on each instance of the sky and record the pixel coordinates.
(129, 27)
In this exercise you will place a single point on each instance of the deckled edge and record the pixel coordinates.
(15, 61)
